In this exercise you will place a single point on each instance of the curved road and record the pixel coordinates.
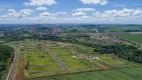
(11, 74)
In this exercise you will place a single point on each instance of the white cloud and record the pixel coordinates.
(79, 14)
(85, 17)
(101, 2)
(11, 10)
(61, 13)
(43, 18)
(47, 14)
(84, 9)
(13, 14)
(26, 12)
(40, 3)
(118, 13)
(52, 14)
(125, 15)
(97, 14)
(108, 16)
(137, 12)
(41, 8)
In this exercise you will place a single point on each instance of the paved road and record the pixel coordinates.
(59, 61)
(11, 74)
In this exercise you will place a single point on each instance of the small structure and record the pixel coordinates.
(85, 56)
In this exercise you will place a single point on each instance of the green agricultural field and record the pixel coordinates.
(118, 74)
(115, 62)
(48, 58)
(66, 54)
(123, 28)
(133, 37)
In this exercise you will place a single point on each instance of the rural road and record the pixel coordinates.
(59, 61)
(11, 74)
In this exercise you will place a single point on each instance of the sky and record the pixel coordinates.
(71, 11)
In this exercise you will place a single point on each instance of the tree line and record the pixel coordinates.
(6, 57)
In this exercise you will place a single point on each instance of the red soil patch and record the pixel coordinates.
(102, 66)
(20, 75)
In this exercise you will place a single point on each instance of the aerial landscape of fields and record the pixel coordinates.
(70, 40)
(72, 53)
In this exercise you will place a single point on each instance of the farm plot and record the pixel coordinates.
(109, 60)
(67, 54)
(119, 74)
(114, 62)
(133, 37)
(48, 58)
(37, 61)
(40, 63)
